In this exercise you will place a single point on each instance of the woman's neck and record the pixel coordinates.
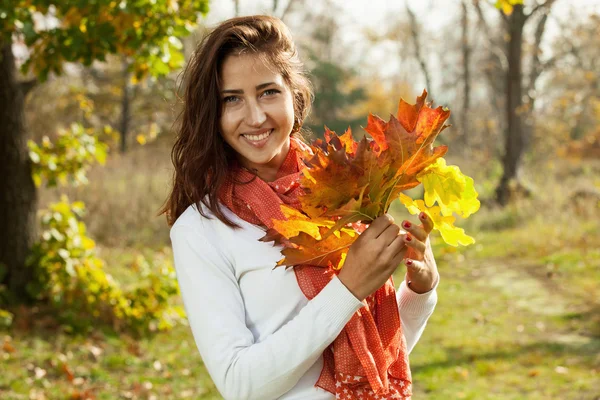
(268, 172)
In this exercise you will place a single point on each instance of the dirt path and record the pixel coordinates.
(533, 290)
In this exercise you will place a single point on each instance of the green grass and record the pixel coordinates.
(518, 317)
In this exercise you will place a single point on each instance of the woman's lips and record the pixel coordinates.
(258, 143)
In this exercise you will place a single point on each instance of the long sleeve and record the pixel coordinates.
(415, 310)
(239, 367)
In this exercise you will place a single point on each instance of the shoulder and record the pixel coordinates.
(208, 226)
(192, 218)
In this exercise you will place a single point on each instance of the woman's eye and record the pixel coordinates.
(270, 91)
(229, 99)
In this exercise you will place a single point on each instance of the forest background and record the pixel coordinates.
(89, 305)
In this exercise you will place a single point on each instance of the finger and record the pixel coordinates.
(413, 266)
(389, 234)
(415, 244)
(427, 222)
(394, 248)
(401, 250)
(379, 225)
(416, 231)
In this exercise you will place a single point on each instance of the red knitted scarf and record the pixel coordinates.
(368, 359)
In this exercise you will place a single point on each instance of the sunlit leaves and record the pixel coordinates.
(67, 159)
(453, 191)
(148, 31)
(71, 277)
(358, 181)
(327, 252)
(347, 184)
(451, 234)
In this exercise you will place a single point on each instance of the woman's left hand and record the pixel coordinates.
(421, 269)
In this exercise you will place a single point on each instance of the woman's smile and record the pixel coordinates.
(258, 139)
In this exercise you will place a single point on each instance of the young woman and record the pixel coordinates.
(269, 333)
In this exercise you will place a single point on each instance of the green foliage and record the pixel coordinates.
(148, 300)
(71, 277)
(333, 97)
(82, 31)
(68, 159)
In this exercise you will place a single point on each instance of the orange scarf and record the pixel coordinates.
(368, 359)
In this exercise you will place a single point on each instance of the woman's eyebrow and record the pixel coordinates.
(240, 91)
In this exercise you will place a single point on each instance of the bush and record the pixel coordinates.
(71, 278)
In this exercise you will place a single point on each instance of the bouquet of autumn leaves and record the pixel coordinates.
(347, 184)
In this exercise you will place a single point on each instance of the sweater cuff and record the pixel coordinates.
(337, 303)
(417, 303)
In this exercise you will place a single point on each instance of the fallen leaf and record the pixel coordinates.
(7, 346)
(67, 371)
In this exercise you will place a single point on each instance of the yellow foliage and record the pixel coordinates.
(444, 224)
(454, 191)
(297, 222)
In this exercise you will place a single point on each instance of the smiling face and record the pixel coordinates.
(257, 113)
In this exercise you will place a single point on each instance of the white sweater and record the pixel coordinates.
(258, 335)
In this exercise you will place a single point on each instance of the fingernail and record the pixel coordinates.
(408, 238)
(423, 216)
(409, 262)
(407, 224)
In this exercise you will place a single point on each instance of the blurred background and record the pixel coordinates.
(89, 305)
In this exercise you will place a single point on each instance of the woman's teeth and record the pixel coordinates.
(256, 138)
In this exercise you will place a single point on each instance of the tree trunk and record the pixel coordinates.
(125, 100)
(514, 140)
(18, 195)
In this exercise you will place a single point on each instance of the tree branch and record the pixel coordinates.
(535, 70)
(547, 4)
(492, 39)
(416, 43)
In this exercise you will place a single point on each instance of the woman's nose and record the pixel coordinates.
(255, 115)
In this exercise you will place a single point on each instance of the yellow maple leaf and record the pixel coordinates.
(454, 191)
(297, 222)
(444, 224)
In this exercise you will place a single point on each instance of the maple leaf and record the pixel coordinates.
(297, 222)
(330, 252)
(444, 224)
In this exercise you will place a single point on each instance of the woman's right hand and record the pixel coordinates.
(373, 257)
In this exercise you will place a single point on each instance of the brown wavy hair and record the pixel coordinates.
(200, 155)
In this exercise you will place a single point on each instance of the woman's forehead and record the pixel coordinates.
(248, 70)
